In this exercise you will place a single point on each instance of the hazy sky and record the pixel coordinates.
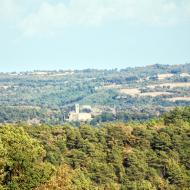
(77, 34)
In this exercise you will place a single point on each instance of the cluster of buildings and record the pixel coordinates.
(85, 113)
(77, 115)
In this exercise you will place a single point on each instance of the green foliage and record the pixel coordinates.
(177, 174)
(115, 156)
(178, 116)
(22, 164)
(48, 97)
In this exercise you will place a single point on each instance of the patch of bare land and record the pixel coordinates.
(40, 73)
(130, 91)
(179, 99)
(4, 87)
(155, 94)
(171, 85)
(136, 91)
(184, 75)
(52, 74)
(26, 107)
(164, 76)
(112, 86)
(13, 74)
(33, 121)
(61, 74)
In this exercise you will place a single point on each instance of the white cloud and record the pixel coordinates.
(187, 9)
(9, 9)
(52, 17)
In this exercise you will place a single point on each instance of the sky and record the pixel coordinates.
(101, 34)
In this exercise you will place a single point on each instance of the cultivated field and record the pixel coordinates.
(184, 75)
(4, 86)
(131, 92)
(179, 99)
(111, 86)
(164, 76)
(171, 85)
(154, 94)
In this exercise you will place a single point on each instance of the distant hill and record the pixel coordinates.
(133, 93)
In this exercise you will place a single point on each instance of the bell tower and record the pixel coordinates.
(77, 108)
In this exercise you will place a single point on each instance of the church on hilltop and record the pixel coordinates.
(79, 116)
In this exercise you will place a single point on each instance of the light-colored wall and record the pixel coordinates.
(79, 116)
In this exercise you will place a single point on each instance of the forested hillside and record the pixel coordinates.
(133, 93)
(151, 155)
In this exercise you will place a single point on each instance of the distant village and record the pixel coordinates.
(85, 113)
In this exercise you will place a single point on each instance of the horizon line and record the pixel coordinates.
(83, 69)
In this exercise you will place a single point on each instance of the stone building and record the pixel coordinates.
(79, 116)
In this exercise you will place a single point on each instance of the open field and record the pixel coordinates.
(112, 86)
(131, 92)
(4, 87)
(164, 76)
(171, 85)
(136, 91)
(154, 94)
(27, 107)
(179, 99)
(61, 74)
(184, 75)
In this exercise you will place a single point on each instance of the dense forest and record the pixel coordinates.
(149, 155)
(136, 93)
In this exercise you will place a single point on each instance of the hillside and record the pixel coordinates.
(116, 156)
(132, 93)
